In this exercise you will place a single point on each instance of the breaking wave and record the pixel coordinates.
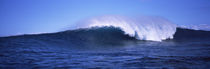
(142, 28)
(106, 35)
(119, 30)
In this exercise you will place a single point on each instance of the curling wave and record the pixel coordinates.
(142, 28)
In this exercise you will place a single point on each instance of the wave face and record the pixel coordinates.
(97, 35)
(142, 28)
(81, 37)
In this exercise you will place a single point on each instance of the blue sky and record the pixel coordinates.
(37, 16)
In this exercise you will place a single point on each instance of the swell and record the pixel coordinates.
(101, 36)
(84, 36)
(183, 34)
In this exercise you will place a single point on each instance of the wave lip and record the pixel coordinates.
(143, 28)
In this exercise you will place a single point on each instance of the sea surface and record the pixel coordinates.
(48, 52)
(33, 54)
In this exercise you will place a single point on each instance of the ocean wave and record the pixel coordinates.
(119, 29)
(144, 28)
(106, 35)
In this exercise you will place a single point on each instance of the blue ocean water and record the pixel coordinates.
(69, 50)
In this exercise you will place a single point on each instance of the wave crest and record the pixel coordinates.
(143, 28)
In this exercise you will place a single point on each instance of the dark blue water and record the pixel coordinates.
(27, 54)
(98, 50)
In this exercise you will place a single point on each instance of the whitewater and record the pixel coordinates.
(152, 28)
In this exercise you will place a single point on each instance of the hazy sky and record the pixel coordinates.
(35, 16)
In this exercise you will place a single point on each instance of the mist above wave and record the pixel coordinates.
(204, 27)
(143, 28)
